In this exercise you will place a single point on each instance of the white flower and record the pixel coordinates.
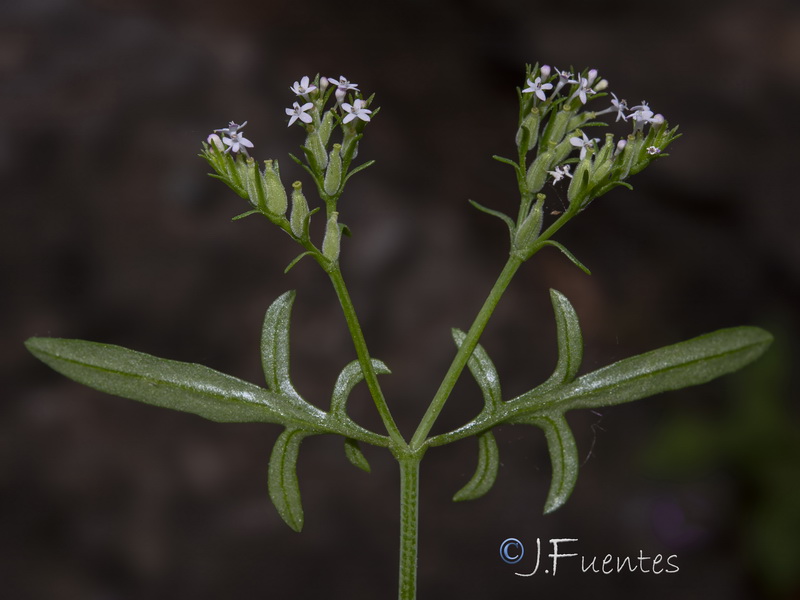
(342, 87)
(343, 83)
(357, 109)
(560, 173)
(537, 87)
(299, 112)
(584, 88)
(302, 88)
(642, 114)
(231, 128)
(619, 106)
(653, 150)
(237, 142)
(584, 143)
(564, 77)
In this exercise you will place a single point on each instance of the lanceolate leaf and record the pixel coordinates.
(347, 380)
(353, 452)
(681, 365)
(483, 370)
(563, 458)
(170, 384)
(284, 489)
(275, 354)
(570, 343)
(486, 472)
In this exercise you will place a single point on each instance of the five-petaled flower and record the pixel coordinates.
(302, 88)
(584, 88)
(537, 87)
(584, 143)
(342, 87)
(237, 142)
(653, 150)
(355, 110)
(299, 112)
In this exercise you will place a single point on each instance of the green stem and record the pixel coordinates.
(362, 353)
(409, 524)
(464, 352)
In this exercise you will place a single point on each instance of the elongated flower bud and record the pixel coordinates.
(531, 123)
(299, 210)
(537, 172)
(277, 202)
(333, 175)
(333, 238)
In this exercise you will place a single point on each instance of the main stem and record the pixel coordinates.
(409, 524)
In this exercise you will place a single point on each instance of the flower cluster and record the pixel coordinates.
(328, 162)
(554, 119)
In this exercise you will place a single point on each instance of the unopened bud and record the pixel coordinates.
(299, 210)
(333, 175)
(528, 231)
(333, 237)
(214, 140)
(531, 123)
(601, 85)
(277, 202)
(544, 72)
(537, 172)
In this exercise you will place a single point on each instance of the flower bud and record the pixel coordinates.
(601, 85)
(254, 183)
(323, 84)
(317, 147)
(531, 123)
(333, 175)
(579, 186)
(537, 172)
(544, 72)
(556, 127)
(277, 202)
(214, 140)
(333, 238)
(528, 231)
(299, 210)
(325, 128)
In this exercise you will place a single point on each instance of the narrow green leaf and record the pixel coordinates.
(353, 452)
(275, 355)
(681, 365)
(570, 343)
(170, 384)
(569, 255)
(483, 370)
(347, 380)
(284, 489)
(563, 458)
(245, 214)
(495, 213)
(358, 169)
(688, 363)
(486, 472)
(297, 259)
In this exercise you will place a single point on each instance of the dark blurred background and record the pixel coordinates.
(111, 231)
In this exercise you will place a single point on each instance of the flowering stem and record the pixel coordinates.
(464, 352)
(362, 353)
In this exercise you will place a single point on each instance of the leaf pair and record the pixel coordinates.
(219, 397)
(688, 363)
